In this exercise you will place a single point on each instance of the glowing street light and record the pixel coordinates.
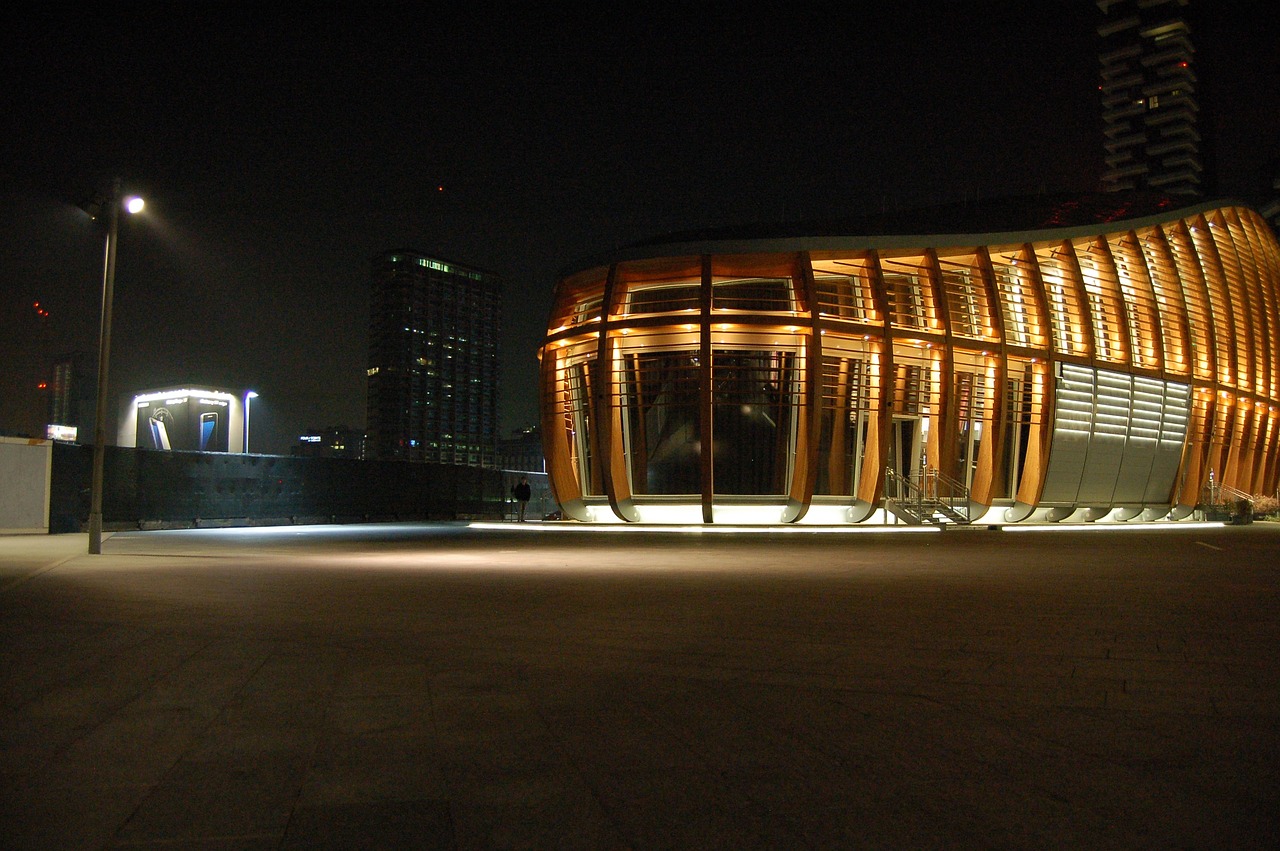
(111, 205)
(250, 395)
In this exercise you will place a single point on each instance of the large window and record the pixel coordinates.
(755, 395)
(659, 394)
(1067, 317)
(847, 413)
(669, 297)
(1019, 307)
(844, 290)
(754, 295)
(972, 410)
(578, 424)
(1105, 311)
(909, 294)
(968, 308)
(1023, 407)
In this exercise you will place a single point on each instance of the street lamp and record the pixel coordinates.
(112, 205)
(247, 397)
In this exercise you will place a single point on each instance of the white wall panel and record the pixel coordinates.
(1112, 405)
(25, 472)
(1175, 414)
(1069, 444)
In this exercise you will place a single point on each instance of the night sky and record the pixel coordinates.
(280, 152)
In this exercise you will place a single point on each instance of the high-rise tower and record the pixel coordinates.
(71, 393)
(1148, 89)
(433, 360)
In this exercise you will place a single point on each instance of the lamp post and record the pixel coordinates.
(113, 204)
(247, 397)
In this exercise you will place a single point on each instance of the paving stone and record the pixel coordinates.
(406, 685)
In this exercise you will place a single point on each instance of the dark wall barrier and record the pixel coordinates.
(146, 488)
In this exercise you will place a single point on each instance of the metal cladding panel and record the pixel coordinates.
(1069, 445)
(1117, 439)
(1143, 442)
(1112, 404)
(1175, 414)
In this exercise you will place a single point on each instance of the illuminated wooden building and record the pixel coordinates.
(1103, 357)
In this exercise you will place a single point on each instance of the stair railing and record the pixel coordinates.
(926, 493)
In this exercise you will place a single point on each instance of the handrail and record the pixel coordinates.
(927, 492)
(1216, 491)
(957, 496)
(900, 488)
(1235, 493)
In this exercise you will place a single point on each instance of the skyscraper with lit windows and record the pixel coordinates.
(433, 360)
(71, 393)
(1148, 91)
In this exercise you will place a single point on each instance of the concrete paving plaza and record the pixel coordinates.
(551, 686)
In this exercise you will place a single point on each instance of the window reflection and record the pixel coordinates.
(755, 397)
(847, 414)
(661, 437)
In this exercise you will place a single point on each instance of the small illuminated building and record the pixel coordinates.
(196, 419)
(330, 442)
(1101, 357)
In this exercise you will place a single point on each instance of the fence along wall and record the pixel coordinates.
(150, 489)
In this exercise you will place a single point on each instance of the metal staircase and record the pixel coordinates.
(1223, 502)
(928, 498)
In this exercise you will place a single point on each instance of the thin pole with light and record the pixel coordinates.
(113, 204)
(247, 397)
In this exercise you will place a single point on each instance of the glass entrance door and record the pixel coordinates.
(906, 446)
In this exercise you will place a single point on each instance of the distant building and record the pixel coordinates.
(1148, 90)
(522, 451)
(330, 442)
(1271, 209)
(433, 361)
(72, 392)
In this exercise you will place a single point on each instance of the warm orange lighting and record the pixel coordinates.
(1123, 302)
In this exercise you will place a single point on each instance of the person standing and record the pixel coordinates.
(522, 493)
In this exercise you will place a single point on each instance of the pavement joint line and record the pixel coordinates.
(37, 572)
